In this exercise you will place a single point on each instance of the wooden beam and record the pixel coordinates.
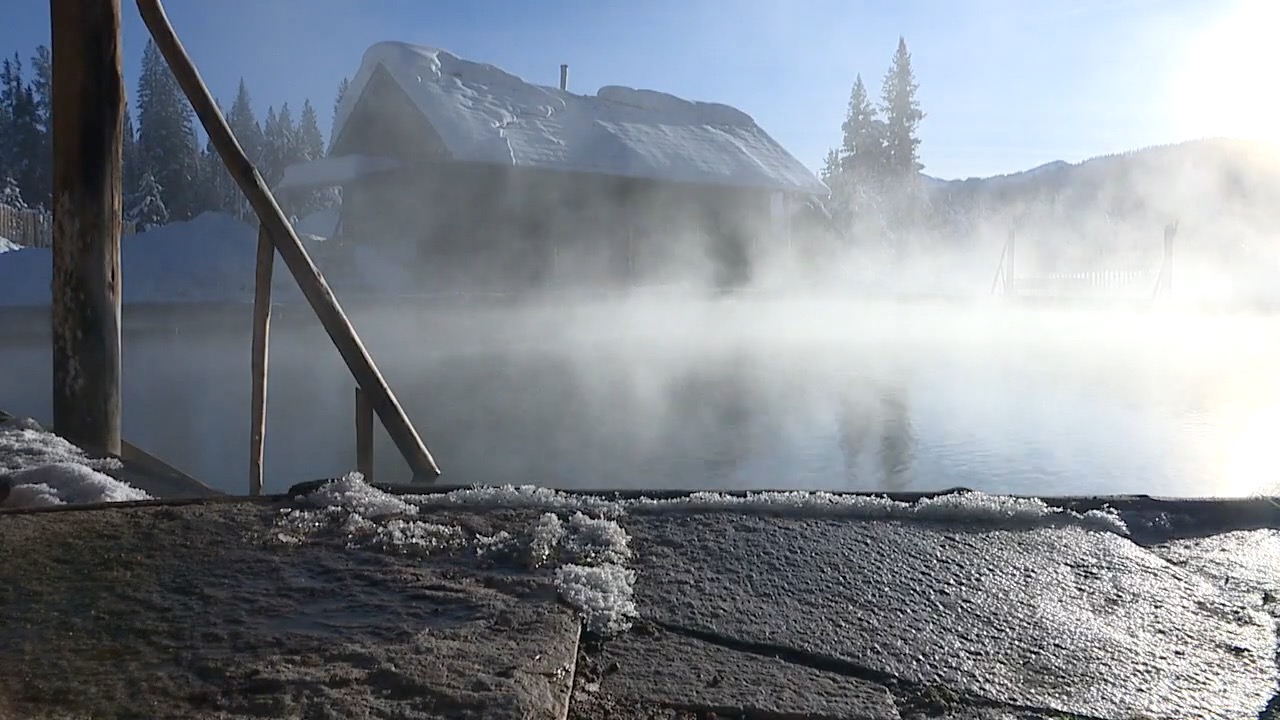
(310, 281)
(261, 338)
(364, 435)
(87, 118)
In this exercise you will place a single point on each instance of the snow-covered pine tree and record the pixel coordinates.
(166, 136)
(902, 115)
(343, 84)
(221, 192)
(248, 131)
(311, 147)
(11, 194)
(148, 209)
(272, 150)
(280, 139)
(906, 203)
(830, 166)
(129, 153)
(862, 149)
(39, 190)
(20, 148)
(245, 124)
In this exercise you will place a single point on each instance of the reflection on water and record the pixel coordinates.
(852, 397)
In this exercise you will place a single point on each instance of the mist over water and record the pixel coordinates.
(749, 392)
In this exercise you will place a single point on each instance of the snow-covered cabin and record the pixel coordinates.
(488, 180)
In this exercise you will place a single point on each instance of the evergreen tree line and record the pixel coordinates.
(874, 174)
(167, 175)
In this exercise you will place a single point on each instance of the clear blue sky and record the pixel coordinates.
(1006, 84)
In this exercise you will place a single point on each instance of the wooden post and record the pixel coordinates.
(1008, 275)
(310, 281)
(364, 435)
(88, 111)
(261, 339)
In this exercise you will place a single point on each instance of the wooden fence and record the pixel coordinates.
(34, 227)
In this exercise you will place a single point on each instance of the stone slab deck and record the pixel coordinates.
(195, 609)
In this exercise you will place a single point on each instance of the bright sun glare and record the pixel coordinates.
(1224, 86)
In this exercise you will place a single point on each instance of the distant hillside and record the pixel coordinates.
(1224, 194)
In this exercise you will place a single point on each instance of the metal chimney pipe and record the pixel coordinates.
(564, 77)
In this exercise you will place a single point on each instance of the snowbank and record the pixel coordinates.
(209, 259)
(486, 115)
(41, 469)
(7, 245)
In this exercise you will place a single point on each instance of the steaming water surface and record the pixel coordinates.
(729, 394)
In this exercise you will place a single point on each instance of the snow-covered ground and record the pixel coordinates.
(208, 259)
(40, 469)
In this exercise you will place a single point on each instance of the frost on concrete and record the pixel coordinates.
(42, 469)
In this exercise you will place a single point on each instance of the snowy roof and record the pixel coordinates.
(486, 115)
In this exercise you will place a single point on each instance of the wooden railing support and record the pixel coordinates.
(261, 342)
(88, 118)
(364, 435)
(285, 239)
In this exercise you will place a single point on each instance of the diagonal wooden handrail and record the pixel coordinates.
(285, 239)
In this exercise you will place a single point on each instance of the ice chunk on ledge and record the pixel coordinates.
(961, 507)
(530, 497)
(353, 494)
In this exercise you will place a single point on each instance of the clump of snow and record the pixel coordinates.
(418, 535)
(43, 469)
(25, 445)
(604, 594)
(353, 494)
(544, 538)
(7, 245)
(62, 483)
(595, 541)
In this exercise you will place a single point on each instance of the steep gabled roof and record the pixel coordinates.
(485, 115)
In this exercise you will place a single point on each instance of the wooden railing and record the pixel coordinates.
(276, 235)
(1155, 282)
